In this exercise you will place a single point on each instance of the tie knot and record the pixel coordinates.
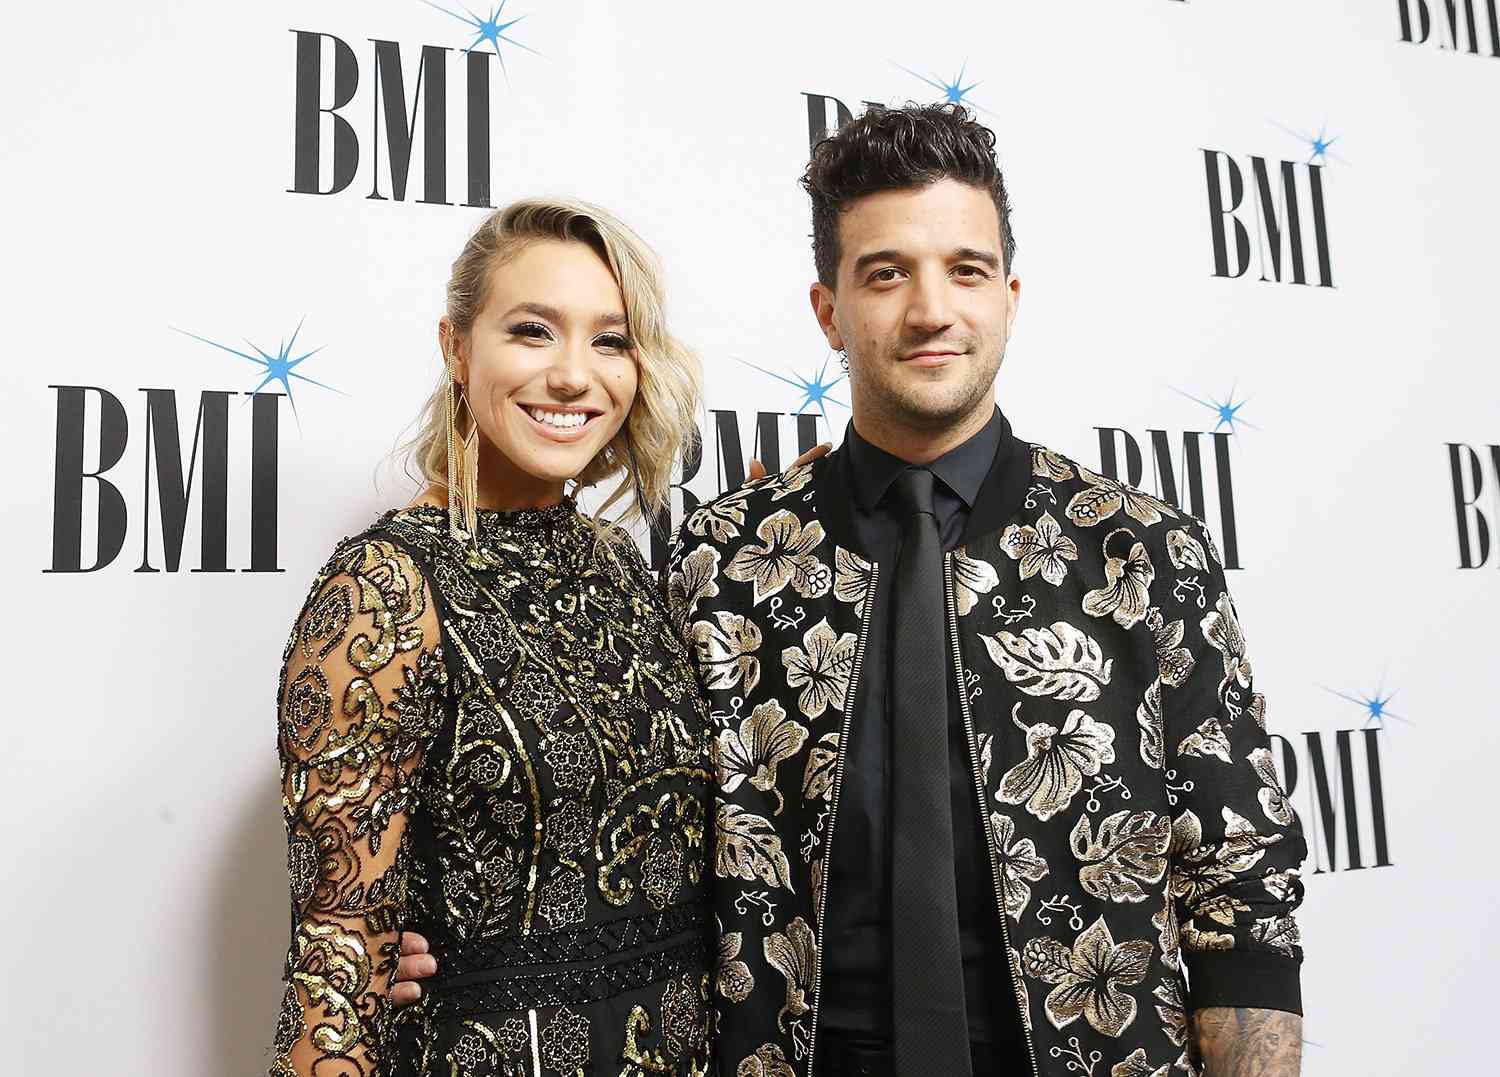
(911, 493)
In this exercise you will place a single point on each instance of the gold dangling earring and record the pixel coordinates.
(463, 475)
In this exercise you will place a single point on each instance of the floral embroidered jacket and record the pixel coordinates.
(1144, 854)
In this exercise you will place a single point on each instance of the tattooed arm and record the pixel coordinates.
(1248, 1042)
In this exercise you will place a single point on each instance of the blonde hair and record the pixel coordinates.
(661, 420)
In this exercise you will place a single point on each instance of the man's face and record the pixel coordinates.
(923, 307)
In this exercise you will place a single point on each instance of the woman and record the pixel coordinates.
(489, 732)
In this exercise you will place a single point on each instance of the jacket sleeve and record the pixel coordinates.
(1236, 843)
(359, 695)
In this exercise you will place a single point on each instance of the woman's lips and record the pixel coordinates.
(560, 434)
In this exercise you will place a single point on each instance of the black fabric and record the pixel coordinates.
(962, 471)
(928, 1022)
(1237, 979)
(985, 475)
(865, 1057)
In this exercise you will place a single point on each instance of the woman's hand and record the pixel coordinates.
(758, 470)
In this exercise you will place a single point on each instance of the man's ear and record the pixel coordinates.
(821, 297)
(1013, 285)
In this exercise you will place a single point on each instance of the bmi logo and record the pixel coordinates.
(407, 109)
(1471, 26)
(826, 114)
(1185, 465)
(1268, 213)
(731, 462)
(1342, 797)
(1343, 801)
(89, 506)
(1470, 468)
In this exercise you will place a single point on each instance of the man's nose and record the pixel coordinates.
(930, 308)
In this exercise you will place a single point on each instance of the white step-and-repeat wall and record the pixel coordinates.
(1259, 251)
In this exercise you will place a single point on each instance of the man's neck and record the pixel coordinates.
(921, 445)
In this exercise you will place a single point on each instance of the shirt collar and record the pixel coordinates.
(962, 468)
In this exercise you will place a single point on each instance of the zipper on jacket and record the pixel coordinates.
(984, 819)
(833, 805)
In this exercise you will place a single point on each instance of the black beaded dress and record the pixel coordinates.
(500, 745)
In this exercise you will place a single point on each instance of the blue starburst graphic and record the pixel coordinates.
(491, 30)
(1318, 145)
(954, 92)
(1376, 707)
(280, 367)
(1227, 410)
(814, 392)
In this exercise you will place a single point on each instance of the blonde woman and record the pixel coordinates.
(490, 733)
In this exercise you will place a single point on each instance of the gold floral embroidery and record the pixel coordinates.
(784, 556)
(735, 981)
(1126, 854)
(762, 742)
(1059, 661)
(1041, 550)
(1104, 497)
(1221, 627)
(749, 848)
(1057, 759)
(1019, 864)
(1089, 977)
(821, 668)
(1185, 552)
(852, 579)
(1127, 585)
(725, 648)
(794, 955)
(971, 579)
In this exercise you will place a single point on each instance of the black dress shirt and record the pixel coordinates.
(856, 995)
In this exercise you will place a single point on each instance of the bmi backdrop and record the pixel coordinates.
(1258, 244)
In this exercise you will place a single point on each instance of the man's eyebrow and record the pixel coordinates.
(973, 254)
(960, 254)
(864, 261)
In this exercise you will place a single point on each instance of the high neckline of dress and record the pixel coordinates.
(497, 522)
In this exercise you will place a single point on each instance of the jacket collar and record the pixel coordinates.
(1000, 495)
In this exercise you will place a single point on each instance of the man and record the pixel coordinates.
(996, 794)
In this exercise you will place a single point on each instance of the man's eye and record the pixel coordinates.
(971, 271)
(886, 275)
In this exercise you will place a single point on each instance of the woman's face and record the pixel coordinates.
(549, 369)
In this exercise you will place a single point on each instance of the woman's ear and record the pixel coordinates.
(448, 345)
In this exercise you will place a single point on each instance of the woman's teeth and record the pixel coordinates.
(564, 420)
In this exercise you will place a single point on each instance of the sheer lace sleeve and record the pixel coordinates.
(360, 695)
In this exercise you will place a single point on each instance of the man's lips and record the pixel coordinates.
(931, 357)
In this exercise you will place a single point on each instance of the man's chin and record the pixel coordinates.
(938, 410)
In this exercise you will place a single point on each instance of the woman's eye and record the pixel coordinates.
(533, 330)
(614, 342)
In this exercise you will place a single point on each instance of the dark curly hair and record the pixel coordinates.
(892, 149)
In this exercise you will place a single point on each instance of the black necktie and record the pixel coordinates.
(930, 1028)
